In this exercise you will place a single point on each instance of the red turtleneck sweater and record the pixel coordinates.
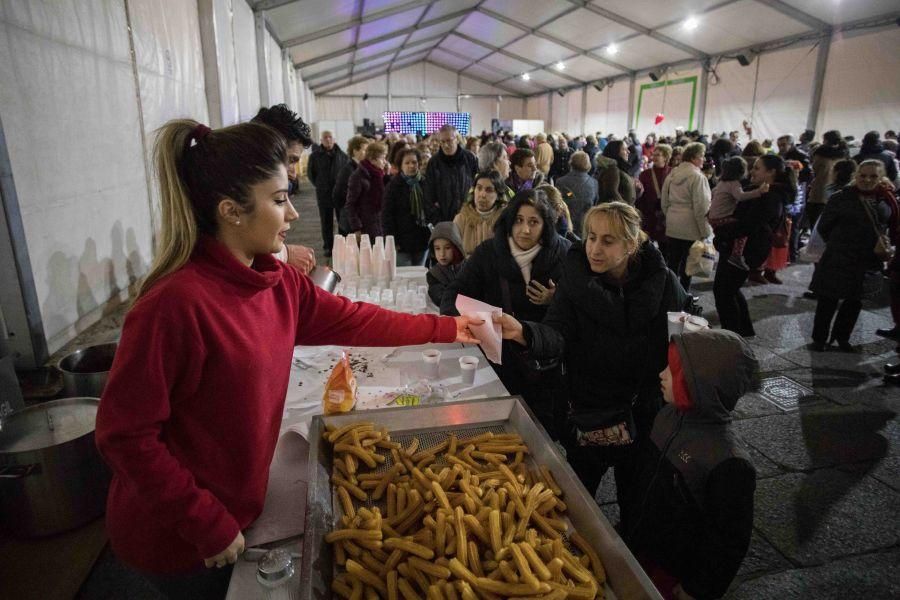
(190, 415)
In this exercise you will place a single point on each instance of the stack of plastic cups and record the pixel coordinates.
(351, 260)
(365, 241)
(379, 265)
(338, 250)
(365, 258)
(390, 253)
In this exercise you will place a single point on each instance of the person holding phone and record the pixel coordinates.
(517, 270)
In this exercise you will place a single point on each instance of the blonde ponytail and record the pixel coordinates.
(178, 228)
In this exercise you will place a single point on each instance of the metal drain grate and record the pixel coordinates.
(784, 392)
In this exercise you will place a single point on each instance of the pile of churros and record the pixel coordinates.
(464, 519)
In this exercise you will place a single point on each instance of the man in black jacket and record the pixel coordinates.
(324, 165)
(448, 177)
(691, 508)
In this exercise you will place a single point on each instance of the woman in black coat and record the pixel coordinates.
(403, 215)
(365, 192)
(608, 321)
(517, 270)
(848, 227)
(759, 217)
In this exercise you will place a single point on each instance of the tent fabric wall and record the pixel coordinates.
(223, 55)
(170, 69)
(275, 71)
(856, 96)
(676, 96)
(482, 110)
(783, 93)
(244, 29)
(76, 154)
(512, 108)
(607, 110)
(408, 85)
(289, 75)
(538, 107)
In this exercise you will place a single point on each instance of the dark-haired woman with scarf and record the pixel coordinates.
(403, 215)
(517, 270)
(365, 192)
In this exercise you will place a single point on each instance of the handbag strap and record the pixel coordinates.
(868, 211)
(655, 182)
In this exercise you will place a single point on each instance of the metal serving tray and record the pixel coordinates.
(625, 577)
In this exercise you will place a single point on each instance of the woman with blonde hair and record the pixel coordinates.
(190, 415)
(608, 323)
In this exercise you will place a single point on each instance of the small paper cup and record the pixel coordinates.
(693, 323)
(468, 365)
(676, 322)
(432, 360)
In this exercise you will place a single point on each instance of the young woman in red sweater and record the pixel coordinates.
(190, 416)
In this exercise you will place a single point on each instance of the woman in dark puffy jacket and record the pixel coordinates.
(365, 192)
(517, 270)
(759, 217)
(403, 215)
(608, 322)
(848, 227)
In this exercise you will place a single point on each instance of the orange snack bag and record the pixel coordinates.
(340, 390)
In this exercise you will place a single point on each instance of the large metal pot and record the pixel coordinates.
(52, 478)
(85, 371)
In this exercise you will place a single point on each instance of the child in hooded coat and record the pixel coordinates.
(444, 266)
(690, 516)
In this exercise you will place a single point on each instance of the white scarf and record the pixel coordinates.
(524, 258)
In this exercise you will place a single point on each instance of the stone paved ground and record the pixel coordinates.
(827, 516)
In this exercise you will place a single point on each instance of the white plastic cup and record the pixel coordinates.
(676, 322)
(387, 297)
(693, 323)
(401, 301)
(432, 360)
(467, 366)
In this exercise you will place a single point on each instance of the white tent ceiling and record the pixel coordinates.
(335, 43)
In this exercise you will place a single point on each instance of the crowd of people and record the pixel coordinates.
(585, 242)
(758, 201)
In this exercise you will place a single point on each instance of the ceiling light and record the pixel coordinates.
(561, 66)
(526, 77)
(612, 49)
(690, 24)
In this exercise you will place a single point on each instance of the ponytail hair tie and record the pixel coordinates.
(197, 134)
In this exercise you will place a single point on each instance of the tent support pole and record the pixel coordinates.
(815, 102)
(584, 93)
(262, 50)
(631, 83)
(701, 103)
